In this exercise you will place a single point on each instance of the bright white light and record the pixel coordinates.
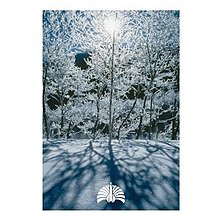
(111, 25)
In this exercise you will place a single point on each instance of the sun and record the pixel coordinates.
(111, 25)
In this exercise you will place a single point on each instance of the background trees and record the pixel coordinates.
(126, 83)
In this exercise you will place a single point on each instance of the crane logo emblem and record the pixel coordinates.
(110, 193)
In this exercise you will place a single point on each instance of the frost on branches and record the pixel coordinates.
(111, 74)
(110, 108)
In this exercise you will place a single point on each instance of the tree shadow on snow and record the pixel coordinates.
(147, 172)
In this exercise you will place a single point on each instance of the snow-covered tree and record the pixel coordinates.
(157, 34)
(59, 69)
(107, 35)
(131, 73)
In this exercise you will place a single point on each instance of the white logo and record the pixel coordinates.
(110, 193)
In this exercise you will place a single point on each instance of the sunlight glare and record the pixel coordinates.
(111, 25)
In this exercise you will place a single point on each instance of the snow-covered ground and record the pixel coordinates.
(74, 172)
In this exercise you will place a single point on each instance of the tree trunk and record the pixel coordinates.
(45, 121)
(111, 88)
(150, 126)
(61, 120)
(44, 106)
(174, 124)
(126, 118)
(141, 118)
(97, 118)
(173, 129)
(68, 130)
(61, 98)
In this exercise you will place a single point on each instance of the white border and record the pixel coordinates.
(20, 89)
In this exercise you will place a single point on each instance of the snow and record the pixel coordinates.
(74, 171)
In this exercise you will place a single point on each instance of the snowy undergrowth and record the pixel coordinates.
(75, 170)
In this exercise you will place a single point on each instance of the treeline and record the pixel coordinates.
(125, 83)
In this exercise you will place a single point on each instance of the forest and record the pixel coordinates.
(111, 74)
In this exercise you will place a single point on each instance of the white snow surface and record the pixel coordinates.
(75, 170)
